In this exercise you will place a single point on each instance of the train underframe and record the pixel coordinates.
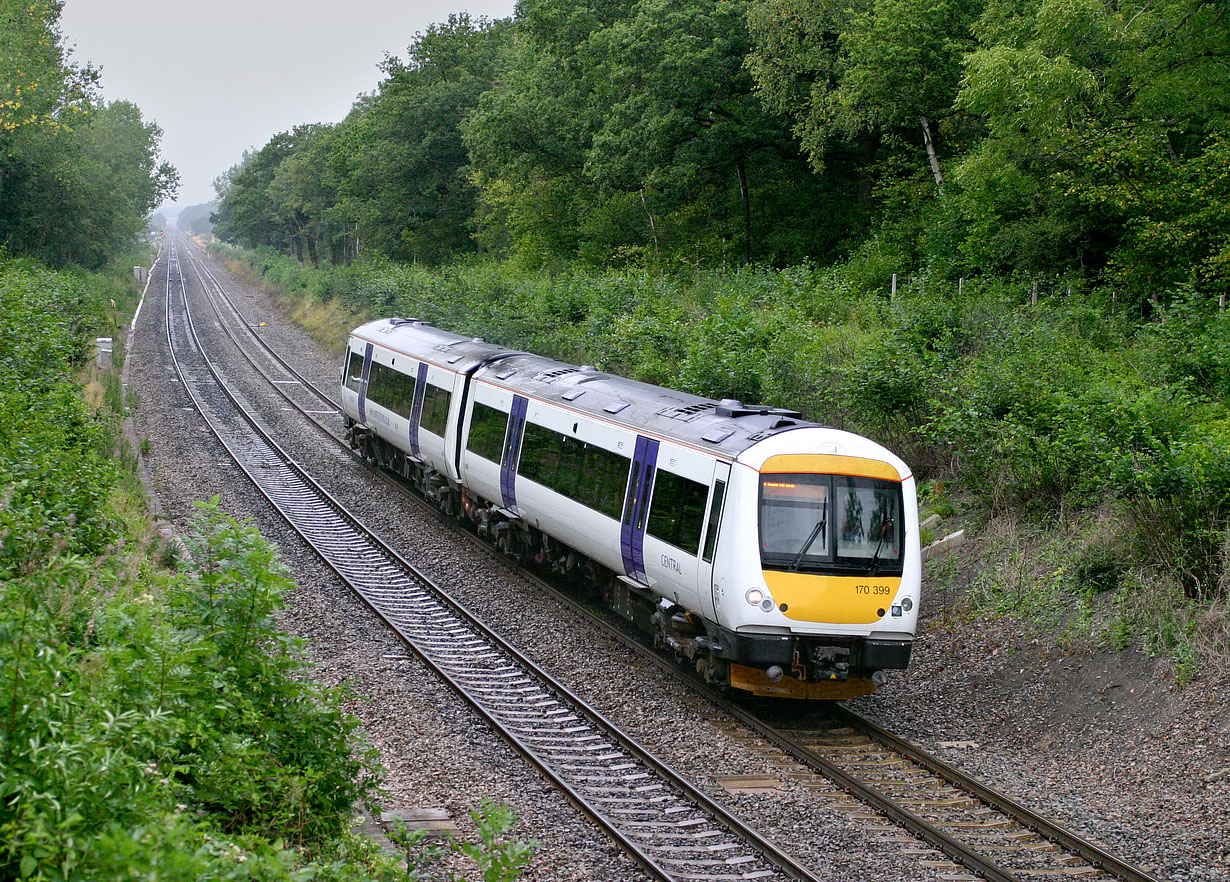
(789, 666)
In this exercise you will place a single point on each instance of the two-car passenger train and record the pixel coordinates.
(775, 555)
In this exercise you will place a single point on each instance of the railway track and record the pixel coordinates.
(883, 778)
(669, 826)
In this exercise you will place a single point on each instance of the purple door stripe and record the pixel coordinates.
(416, 408)
(636, 503)
(638, 528)
(513, 437)
(367, 372)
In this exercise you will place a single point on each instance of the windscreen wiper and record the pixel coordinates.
(875, 558)
(811, 537)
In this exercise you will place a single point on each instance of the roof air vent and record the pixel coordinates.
(548, 376)
(731, 408)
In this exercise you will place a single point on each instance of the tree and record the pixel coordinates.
(875, 67)
(1107, 130)
(77, 175)
(404, 170)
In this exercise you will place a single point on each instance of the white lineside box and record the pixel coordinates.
(105, 346)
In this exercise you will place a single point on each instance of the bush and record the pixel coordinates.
(152, 725)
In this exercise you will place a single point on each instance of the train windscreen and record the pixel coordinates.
(834, 523)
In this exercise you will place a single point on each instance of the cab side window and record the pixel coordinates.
(354, 372)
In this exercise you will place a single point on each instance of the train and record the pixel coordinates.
(773, 555)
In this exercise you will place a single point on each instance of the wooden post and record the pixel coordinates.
(1221, 302)
(960, 286)
(894, 284)
(1033, 298)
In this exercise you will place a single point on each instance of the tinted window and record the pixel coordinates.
(715, 519)
(391, 389)
(834, 522)
(677, 511)
(585, 473)
(868, 519)
(435, 409)
(354, 372)
(487, 428)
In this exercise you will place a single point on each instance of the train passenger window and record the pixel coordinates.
(435, 409)
(585, 473)
(487, 429)
(677, 511)
(606, 480)
(715, 519)
(571, 469)
(537, 454)
(354, 372)
(376, 387)
(391, 389)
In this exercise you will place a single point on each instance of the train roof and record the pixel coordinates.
(726, 427)
(429, 343)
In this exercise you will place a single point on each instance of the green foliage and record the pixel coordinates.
(77, 175)
(497, 856)
(152, 725)
(55, 464)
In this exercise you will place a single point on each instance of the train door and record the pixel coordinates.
(636, 503)
(511, 454)
(706, 579)
(416, 409)
(363, 380)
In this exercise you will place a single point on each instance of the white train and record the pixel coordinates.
(778, 556)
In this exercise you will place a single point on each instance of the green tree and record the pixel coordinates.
(247, 213)
(405, 178)
(1106, 139)
(77, 175)
(875, 68)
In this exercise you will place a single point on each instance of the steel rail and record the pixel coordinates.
(199, 266)
(692, 798)
(1092, 853)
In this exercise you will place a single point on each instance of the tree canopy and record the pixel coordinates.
(998, 137)
(78, 175)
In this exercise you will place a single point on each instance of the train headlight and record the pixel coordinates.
(759, 597)
(907, 604)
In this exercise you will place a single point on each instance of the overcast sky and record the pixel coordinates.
(225, 76)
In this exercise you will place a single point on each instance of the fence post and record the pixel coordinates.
(960, 286)
(1033, 298)
(894, 284)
